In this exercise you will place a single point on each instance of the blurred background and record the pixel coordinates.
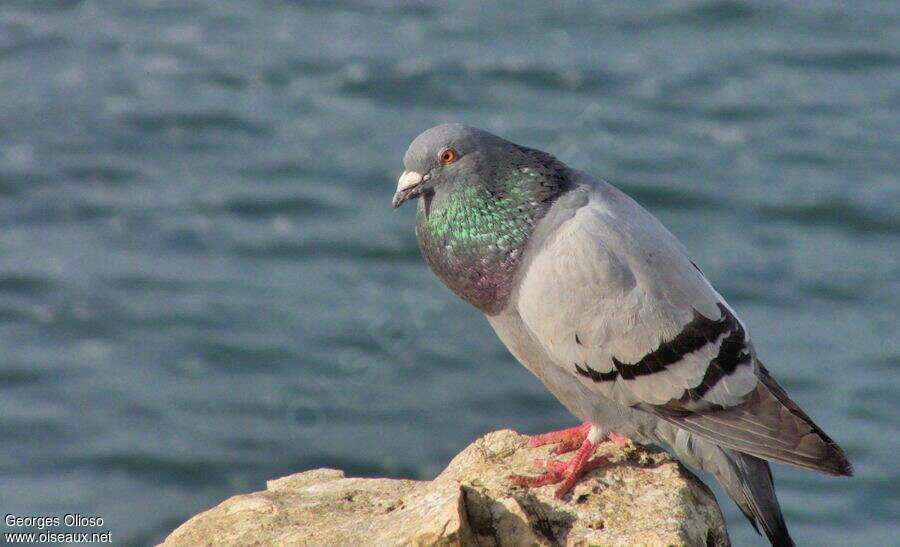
(203, 286)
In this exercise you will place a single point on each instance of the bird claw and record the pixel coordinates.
(551, 477)
(570, 439)
(566, 440)
(568, 472)
(553, 465)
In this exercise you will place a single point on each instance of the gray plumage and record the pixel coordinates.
(594, 296)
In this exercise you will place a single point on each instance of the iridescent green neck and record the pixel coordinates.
(473, 236)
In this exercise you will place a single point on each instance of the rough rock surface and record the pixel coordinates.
(642, 498)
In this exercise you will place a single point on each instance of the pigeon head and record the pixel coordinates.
(446, 155)
(481, 198)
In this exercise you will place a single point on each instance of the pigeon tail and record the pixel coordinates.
(834, 461)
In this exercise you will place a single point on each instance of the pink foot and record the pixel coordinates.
(568, 472)
(568, 439)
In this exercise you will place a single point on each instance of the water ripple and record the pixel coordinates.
(834, 214)
(191, 121)
(841, 60)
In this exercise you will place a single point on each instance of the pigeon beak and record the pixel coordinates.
(409, 186)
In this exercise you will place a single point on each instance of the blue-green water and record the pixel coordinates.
(202, 285)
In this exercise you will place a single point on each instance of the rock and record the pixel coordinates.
(642, 498)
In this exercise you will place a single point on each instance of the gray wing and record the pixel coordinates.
(613, 298)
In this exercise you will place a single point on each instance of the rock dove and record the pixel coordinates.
(593, 295)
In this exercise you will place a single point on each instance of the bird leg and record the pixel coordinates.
(568, 472)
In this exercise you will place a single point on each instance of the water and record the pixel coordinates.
(202, 285)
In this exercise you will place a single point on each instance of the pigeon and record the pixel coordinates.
(594, 296)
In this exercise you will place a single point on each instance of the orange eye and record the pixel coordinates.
(448, 156)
